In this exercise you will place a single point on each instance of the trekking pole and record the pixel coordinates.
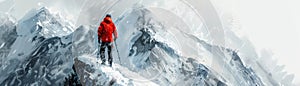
(118, 52)
(98, 51)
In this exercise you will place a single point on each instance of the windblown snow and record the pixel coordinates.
(156, 46)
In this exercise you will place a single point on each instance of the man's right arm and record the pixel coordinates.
(100, 30)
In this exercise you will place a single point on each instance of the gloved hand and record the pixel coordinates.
(99, 41)
(115, 39)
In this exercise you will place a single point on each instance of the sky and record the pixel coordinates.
(274, 25)
(269, 24)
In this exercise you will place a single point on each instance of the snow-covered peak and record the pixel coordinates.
(6, 19)
(41, 40)
(33, 28)
(45, 23)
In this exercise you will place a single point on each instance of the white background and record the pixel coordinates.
(274, 25)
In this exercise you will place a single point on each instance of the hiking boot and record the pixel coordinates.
(103, 63)
(110, 65)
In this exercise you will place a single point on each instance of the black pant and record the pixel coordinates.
(102, 51)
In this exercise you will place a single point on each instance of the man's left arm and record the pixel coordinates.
(115, 32)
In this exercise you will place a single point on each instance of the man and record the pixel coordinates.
(105, 31)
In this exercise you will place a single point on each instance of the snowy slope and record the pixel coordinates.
(95, 74)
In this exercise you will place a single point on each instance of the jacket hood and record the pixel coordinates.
(107, 20)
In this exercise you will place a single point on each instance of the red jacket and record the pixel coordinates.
(106, 29)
